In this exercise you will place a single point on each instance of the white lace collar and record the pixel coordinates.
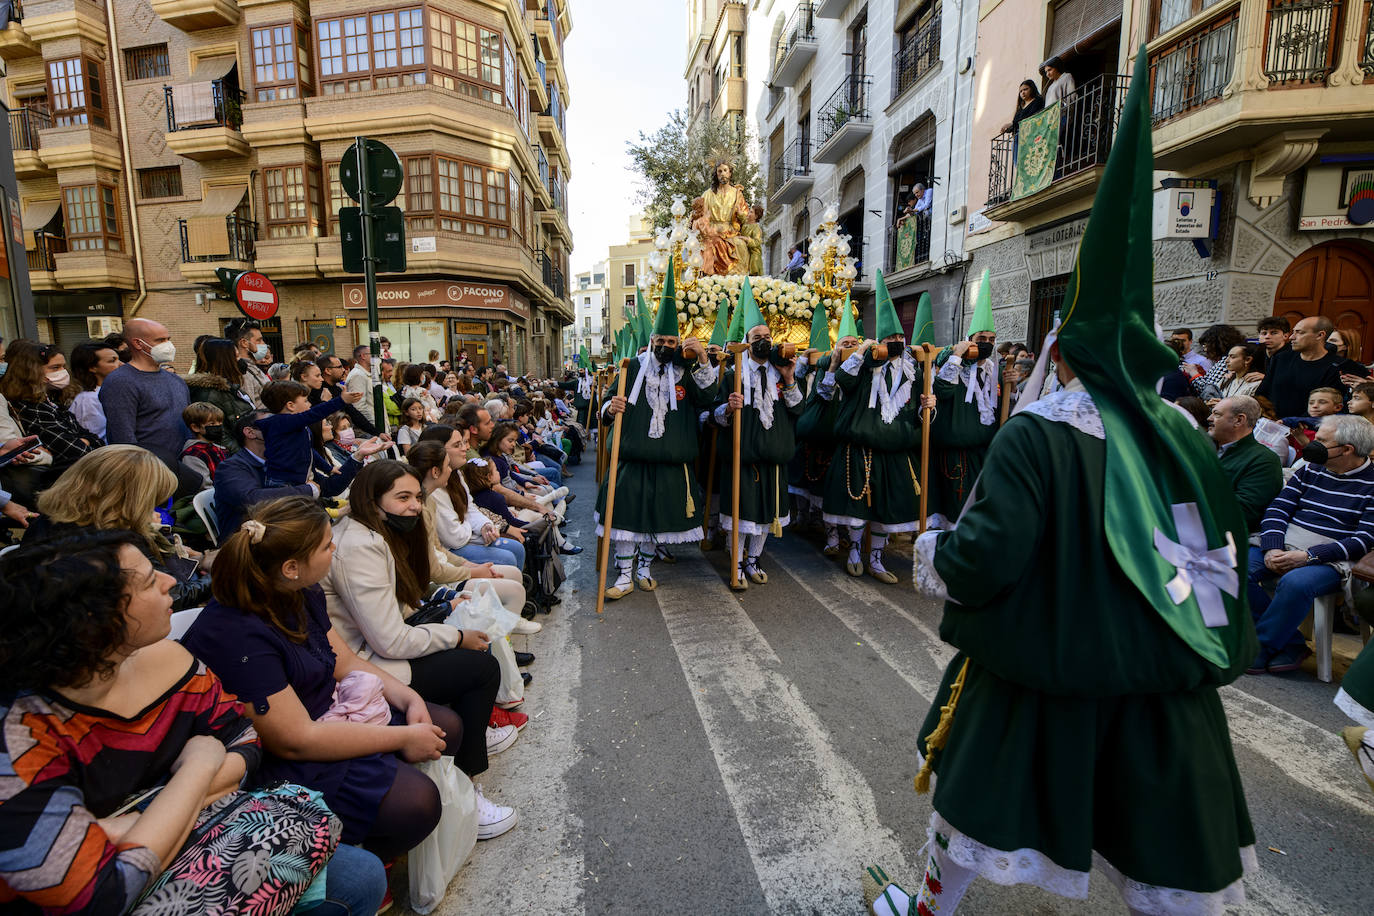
(1072, 405)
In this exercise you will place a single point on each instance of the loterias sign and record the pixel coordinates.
(439, 294)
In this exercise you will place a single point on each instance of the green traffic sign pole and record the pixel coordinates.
(374, 331)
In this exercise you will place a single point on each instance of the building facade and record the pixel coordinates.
(864, 106)
(158, 140)
(716, 72)
(1263, 115)
(591, 311)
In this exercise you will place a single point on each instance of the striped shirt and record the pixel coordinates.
(1339, 506)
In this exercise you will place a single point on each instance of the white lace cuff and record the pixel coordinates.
(720, 416)
(928, 581)
(950, 371)
(704, 376)
(853, 364)
(791, 396)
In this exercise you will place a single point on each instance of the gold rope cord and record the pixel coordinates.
(937, 738)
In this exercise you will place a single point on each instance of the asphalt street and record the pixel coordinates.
(695, 751)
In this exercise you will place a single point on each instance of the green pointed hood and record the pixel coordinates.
(982, 308)
(847, 326)
(584, 359)
(820, 329)
(1163, 486)
(924, 327)
(736, 332)
(718, 333)
(748, 309)
(642, 327)
(665, 324)
(887, 320)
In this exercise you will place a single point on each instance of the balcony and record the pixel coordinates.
(791, 173)
(908, 243)
(42, 259)
(46, 21)
(552, 127)
(1087, 128)
(844, 120)
(1194, 71)
(831, 9)
(202, 251)
(25, 126)
(916, 57)
(294, 258)
(797, 46)
(97, 268)
(1301, 41)
(68, 146)
(543, 197)
(204, 120)
(193, 15)
(15, 42)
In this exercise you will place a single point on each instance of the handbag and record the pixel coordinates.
(252, 851)
(436, 608)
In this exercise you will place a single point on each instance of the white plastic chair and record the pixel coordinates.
(1323, 628)
(182, 620)
(204, 504)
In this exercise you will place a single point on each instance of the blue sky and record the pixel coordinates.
(624, 60)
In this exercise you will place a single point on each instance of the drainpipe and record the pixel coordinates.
(135, 237)
(953, 108)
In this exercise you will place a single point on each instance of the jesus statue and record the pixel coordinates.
(724, 215)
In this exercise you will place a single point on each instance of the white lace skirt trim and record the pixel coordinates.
(848, 521)
(748, 527)
(1030, 866)
(927, 580)
(661, 537)
(1354, 709)
(894, 527)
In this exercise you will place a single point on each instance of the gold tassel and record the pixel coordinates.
(691, 505)
(936, 740)
(777, 504)
(915, 481)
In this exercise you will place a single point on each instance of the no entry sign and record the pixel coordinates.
(256, 295)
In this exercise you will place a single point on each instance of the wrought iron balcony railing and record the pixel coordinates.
(1194, 70)
(800, 27)
(1301, 40)
(243, 237)
(916, 56)
(25, 123)
(45, 246)
(847, 103)
(198, 105)
(794, 162)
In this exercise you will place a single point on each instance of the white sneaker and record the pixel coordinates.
(498, 739)
(527, 627)
(493, 819)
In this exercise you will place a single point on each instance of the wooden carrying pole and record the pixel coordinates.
(606, 520)
(1006, 401)
(735, 579)
(711, 453)
(927, 358)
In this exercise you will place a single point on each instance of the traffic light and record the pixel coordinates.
(228, 278)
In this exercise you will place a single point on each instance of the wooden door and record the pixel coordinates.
(1334, 279)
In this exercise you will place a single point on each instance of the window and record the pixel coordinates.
(159, 182)
(146, 63)
(468, 57)
(1170, 13)
(92, 218)
(419, 193)
(629, 301)
(459, 196)
(75, 90)
(629, 275)
(281, 65)
(293, 200)
(587, 322)
(338, 198)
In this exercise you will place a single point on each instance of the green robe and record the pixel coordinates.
(958, 447)
(579, 403)
(763, 457)
(1085, 723)
(1256, 475)
(873, 476)
(815, 435)
(656, 489)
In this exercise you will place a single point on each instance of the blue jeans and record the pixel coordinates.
(1277, 618)
(502, 551)
(546, 469)
(354, 884)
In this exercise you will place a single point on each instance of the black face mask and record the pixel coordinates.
(984, 349)
(214, 432)
(402, 523)
(1316, 453)
(895, 348)
(665, 354)
(761, 348)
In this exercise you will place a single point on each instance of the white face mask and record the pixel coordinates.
(163, 353)
(59, 379)
(262, 351)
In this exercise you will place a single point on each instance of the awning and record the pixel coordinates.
(193, 102)
(209, 69)
(40, 214)
(207, 232)
(1079, 24)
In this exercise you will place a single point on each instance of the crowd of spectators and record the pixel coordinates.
(135, 491)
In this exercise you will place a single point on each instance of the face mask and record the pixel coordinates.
(214, 432)
(262, 351)
(59, 379)
(402, 523)
(164, 353)
(664, 353)
(895, 348)
(4, 367)
(345, 437)
(761, 348)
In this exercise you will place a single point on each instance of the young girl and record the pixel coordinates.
(481, 475)
(500, 450)
(414, 416)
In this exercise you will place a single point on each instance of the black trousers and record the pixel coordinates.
(466, 681)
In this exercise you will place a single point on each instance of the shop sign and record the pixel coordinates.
(439, 294)
(1338, 196)
(470, 328)
(423, 244)
(1184, 212)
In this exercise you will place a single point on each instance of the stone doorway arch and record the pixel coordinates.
(1335, 279)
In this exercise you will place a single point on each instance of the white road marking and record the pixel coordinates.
(807, 815)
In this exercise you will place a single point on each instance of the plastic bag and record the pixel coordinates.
(434, 863)
(1273, 436)
(483, 611)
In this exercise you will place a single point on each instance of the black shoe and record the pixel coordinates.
(569, 499)
(569, 550)
(526, 677)
(524, 659)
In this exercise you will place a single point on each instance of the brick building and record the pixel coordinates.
(157, 140)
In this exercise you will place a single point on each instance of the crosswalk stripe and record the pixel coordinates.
(808, 817)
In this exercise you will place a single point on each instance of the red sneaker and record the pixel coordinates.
(386, 901)
(500, 717)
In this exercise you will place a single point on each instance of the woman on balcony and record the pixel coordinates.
(1028, 102)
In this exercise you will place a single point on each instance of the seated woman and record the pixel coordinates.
(100, 707)
(268, 632)
(461, 527)
(39, 388)
(432, 462)
(118, 488)
(381, 576)
(1245, 366)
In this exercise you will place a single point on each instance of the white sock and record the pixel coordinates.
(944, 883)
(643, 570)
(832, 535)
(875, 552)
(754, 550)
(624, 563)
(856, 543)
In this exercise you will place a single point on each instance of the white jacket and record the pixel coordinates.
(455, 532)
(360, 592)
